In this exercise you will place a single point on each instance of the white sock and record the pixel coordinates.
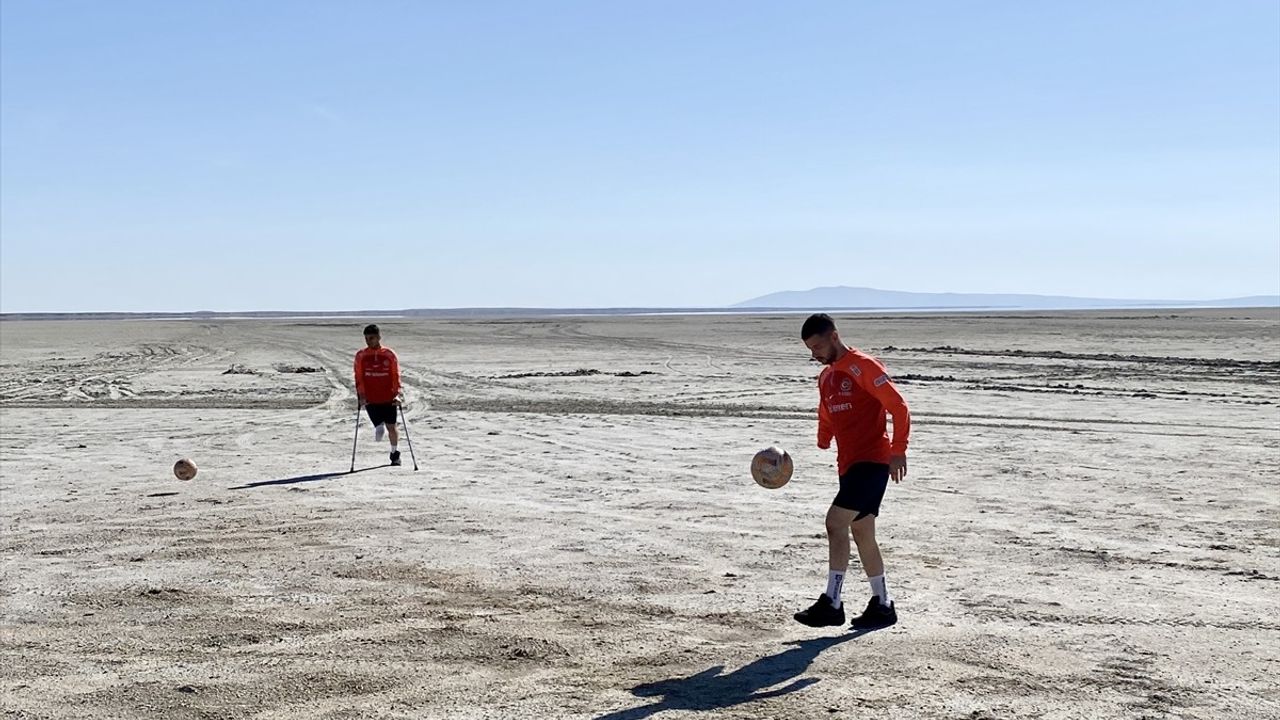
(395, 447)
(880, 589)
(835, 580)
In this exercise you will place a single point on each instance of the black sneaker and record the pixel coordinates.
(821, 613)
(395, 457)
(877, 615)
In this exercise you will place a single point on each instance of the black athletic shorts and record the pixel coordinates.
(862, 488)
(381, 413)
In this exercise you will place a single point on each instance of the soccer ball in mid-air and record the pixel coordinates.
(184, 469)
(771, 468)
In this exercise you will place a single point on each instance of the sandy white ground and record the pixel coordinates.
(1090, 529)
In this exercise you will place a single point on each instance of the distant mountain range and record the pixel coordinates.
(828, 298)
(871, 298)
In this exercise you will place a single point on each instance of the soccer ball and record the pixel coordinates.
(184, 469)
(771, 468)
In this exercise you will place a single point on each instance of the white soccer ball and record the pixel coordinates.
(771, 468)
(184, 469)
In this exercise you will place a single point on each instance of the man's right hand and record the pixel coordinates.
(898, 467)
(359, 402)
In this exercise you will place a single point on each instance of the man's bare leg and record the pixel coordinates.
(838, 521)
(881, 613)
(393, 434)
(864, 536)
(828, 610)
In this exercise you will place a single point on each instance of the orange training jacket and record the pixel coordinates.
(855, 394)
(377, 375)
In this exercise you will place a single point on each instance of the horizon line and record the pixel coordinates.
(1091, 303)
(409, 313)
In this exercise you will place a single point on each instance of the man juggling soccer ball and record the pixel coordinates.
(855, 394)
(378, 388)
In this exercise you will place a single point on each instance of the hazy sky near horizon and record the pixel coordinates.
(339, 155)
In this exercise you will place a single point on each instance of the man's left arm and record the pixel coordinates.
(395, 374)
(875, 380)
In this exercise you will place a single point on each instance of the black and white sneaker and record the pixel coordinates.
(877, 615)
(395, 457)
(821, 614)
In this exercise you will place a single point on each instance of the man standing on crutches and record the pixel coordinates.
(378, 390)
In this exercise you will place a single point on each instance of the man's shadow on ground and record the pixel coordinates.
(709, 690)
(305, 478)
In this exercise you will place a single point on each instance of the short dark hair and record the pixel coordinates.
(372, 330)
(817, 324)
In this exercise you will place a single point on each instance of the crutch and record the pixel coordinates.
(355, 438)
(404, 422)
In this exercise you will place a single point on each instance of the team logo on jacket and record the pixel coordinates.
(846, 386)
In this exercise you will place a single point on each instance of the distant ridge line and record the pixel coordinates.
(845, 296)
(511, 312)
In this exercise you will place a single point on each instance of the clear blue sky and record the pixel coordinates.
(313, 155)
